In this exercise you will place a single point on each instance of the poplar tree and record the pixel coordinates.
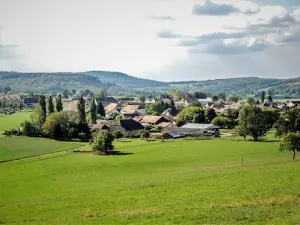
(93, 111)
(50, 105)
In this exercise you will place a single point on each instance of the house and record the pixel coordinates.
(153, 120)
(128, 127)
(99, 127)
(219, 107)
(31, 102)
(182, 102)
(112, 107)
(169, 112)
(150, 100)
(105, 101)
(70, 105)
(204, 101)
(130, 110)
(296, 103)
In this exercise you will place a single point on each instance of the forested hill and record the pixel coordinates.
(66, 80)
(43, 82)
(125, 80)
(245, 85)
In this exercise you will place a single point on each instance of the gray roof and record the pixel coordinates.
(199, 126)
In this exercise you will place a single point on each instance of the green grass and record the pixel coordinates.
(9, 122)
(20, 147)
(175, 182)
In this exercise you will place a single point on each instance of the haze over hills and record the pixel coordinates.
(44, 82)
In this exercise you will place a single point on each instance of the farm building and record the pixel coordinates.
(194, 129)
(129, 127)
(153, 120)
(99, 127)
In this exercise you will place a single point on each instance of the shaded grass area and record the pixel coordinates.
(9, 122)
(172, 182)
(16, 147)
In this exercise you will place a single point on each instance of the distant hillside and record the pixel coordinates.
(125, 80)
(245, 85)
(48, 81)
(59, 81)
(122, 82)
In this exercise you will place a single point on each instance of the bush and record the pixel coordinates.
(28, 129)
(118, 134)
(224, 122)
(156, 129)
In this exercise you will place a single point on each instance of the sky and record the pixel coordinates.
(167, 40)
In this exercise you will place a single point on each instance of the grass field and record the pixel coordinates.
(9, 122)
(19, 147)
(175, 182)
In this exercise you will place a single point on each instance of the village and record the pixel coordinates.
(133, 115)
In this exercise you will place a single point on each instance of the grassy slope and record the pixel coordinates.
(183, 182)
(20, 147)
(13, 121)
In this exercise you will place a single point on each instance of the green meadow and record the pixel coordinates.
(15, 147)
(9, 122)
(171, 182)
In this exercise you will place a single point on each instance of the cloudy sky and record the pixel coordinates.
(157, 39)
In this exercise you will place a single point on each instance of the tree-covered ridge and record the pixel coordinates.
(48, 81)
(66, 80)
(125, 80)
(244, 85)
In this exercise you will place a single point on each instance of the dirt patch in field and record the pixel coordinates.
(268, 201)
(136, 212)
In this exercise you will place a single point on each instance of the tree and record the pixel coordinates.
(232, 113)
(142, 99)
(291, 142)
(37, 118)
(118, 134)
(93, 114)
(210, 114)
(81, 110)
(59, 105)
(222, 96)
(66, 93)
(223, 122)
(102, 142)
(242, 131)
(50, 105)
(73, 91)
(262, 96)
(6, 89)
(145, 134)
(57, 126)
(288, 122)
(215, 98)
(233, 98)
(255, 121)
(42, 103)
(28, 129)
(250, 101)
(270, 99)
(101, 109)
(191, 114)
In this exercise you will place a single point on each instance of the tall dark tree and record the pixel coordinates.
(100, 109)
(270, 99)
(81, 110)
(59, 105)
(93, 113)
(42, 103)
(262, 96)
(50, 105)
(215, 98)
(210, 114)
(142, 99)
(66, 93)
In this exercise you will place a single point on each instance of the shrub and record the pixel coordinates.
(28, 129)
